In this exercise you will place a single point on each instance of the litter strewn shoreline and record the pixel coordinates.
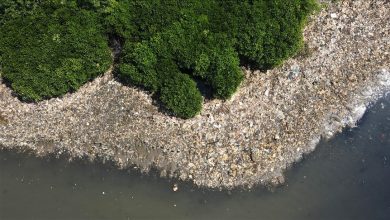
(272, 120)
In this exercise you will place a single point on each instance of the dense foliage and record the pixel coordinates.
(168, 45)
(51, 52)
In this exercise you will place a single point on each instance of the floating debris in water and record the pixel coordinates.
(175, 187)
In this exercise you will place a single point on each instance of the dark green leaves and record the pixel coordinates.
(204, 40)
(46, 55)
(51, 47)
(180, 95)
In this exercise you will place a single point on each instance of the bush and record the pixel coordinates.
(180, 95)
(47, 55)
(226, 75)
(138, 66)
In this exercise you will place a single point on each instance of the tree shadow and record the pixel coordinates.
(250, 64)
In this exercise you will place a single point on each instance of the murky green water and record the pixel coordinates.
(347, 177)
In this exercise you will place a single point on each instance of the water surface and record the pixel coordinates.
(347, 177)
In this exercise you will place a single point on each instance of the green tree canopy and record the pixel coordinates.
(50, 47)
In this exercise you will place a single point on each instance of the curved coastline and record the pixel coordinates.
(273, 120)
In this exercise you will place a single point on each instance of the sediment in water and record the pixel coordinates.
(273, 120)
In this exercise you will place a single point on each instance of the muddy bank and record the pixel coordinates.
(270, 123)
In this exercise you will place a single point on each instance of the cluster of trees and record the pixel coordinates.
(49, 47)
(47, 51)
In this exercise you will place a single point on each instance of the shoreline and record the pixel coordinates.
(272, 120)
